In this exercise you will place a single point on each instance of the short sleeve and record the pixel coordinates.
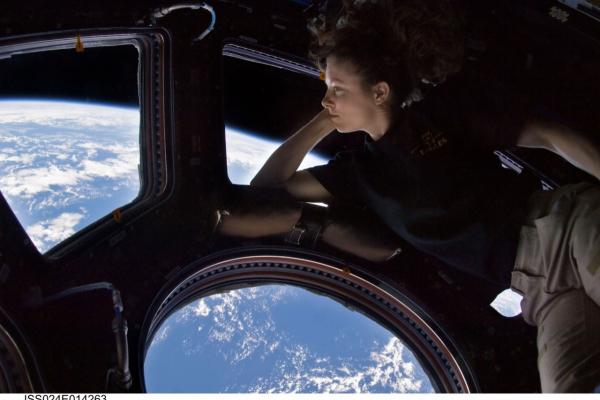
(339, 177)
(485, 112)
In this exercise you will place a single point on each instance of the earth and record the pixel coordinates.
(64, 165)
(278, 339)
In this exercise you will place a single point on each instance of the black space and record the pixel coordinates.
(96, 75)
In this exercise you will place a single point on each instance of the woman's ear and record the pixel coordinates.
(381, 93)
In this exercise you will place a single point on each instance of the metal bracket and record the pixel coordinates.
(161, 12)
(508, 162)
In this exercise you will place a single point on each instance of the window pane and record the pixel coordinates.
(262, 111)
(277, 338)
(247, 152)
(68, 154)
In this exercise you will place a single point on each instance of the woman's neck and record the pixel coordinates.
(382, 124)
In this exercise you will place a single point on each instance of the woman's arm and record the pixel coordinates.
(284, 162)
(371, 241)
(367, 240)
(564, 141)
(259, 222)
(258, 212)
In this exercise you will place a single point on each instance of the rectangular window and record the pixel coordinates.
(591, 8)
(267, 97)
(71, 147)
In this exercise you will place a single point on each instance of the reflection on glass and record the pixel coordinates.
(277, 338)
(64, 165)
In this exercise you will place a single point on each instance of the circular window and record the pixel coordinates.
(273, 324)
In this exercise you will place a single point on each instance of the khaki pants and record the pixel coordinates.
(557, 271)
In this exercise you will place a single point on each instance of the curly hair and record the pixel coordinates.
(402, 42)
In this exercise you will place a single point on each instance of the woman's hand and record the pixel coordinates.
(325, 118)
(284, 162)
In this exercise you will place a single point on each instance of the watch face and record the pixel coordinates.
(295, 236)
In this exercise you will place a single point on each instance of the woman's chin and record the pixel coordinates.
(339, 127)
(343, 128)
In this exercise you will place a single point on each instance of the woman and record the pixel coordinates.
(393, 69)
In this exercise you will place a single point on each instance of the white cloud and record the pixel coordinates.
(65, 184)
(28, 182)
(184, 314)
(161, 335)
(392, 370)
(201, 309)
(111, 168)
(54, 230)
(23, 158)
(20, 159)
(304, 371)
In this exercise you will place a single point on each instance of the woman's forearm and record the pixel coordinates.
(284, 162)
(255, 212)
(360, 240)
(578, 150)
(366, 240)
(564, 141)
(258, 224)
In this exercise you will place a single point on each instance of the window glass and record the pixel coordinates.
(247, 152)
(69, 138)
(277, 338)
(262, 112)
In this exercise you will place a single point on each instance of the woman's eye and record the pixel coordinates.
(337, 91)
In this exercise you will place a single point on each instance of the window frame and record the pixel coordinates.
(248, 51)
(244, 50)
(154, 93)
(352, 285)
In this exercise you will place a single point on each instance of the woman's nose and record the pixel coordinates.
(326, 102)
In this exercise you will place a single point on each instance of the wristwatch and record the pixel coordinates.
(307, 231)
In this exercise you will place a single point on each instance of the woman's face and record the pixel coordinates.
(351, 106)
